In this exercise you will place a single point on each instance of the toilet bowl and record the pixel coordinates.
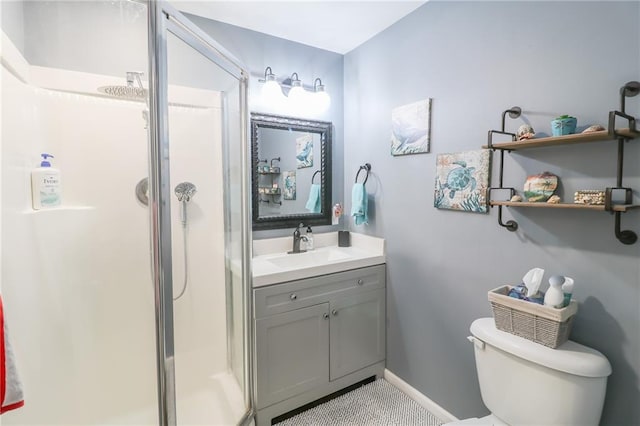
(525, 383)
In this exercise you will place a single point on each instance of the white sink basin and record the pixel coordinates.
(309, 258)
(273, 264)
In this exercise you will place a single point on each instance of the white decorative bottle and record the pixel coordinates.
(45, 185)
(554, 296)
(309, 236)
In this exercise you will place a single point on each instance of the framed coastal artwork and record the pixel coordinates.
(462, 181)
(304, 151)
(289, 190)
(410, 128)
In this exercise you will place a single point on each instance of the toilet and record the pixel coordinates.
(525, 383)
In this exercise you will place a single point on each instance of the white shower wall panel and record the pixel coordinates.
(76, 280)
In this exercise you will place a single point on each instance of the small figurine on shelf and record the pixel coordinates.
(525, 132)
(516, 198)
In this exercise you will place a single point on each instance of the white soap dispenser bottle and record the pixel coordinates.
(45, 185)
(554, 297)
(309, 236)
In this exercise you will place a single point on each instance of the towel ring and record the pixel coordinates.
(366, 167)
(314, 175)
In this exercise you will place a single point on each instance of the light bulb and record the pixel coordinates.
(297, 96)
(271, 91)
(320, 98)
(322, 101)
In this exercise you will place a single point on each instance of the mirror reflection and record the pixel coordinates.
(291, 166)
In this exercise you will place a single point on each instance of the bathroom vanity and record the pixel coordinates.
(321, 331)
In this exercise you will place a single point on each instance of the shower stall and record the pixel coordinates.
(128, 303)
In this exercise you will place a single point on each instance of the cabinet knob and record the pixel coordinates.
(325, 316)
(293, 296)
(360, 281)
(334, 312)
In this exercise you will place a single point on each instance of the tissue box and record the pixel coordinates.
(541, 324)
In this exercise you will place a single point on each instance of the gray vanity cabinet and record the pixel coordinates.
(316, 336)
(292, 356)
(357, 337)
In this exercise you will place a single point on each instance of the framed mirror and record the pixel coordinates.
(291, 171)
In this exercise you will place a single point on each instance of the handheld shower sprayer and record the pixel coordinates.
(184, 191)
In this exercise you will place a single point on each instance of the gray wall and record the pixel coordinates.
(258, 51)
(476, 59)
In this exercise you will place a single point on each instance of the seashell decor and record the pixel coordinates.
(525, 132)
(516, 198)
(589, 196)
(594, 128)
(554, 199)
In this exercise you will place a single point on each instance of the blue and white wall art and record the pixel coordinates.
(410, 128)
(304, 151)
(289, 191)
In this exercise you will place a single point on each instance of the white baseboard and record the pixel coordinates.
(418, 397)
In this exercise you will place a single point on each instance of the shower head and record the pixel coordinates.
(128, 92)
(184, 191)
(124, 92)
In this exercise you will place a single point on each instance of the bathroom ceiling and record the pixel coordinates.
(338, 26)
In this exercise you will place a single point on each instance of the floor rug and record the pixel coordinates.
(376, 403)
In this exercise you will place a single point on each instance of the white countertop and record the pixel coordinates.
(271, 264)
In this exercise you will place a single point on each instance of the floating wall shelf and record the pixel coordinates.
(622, 136)
(579, 138)
(601, 208)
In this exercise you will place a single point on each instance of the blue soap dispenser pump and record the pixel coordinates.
(46, 190)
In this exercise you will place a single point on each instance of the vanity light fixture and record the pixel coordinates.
(297, 94)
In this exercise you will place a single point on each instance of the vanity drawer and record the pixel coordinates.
(292, 295)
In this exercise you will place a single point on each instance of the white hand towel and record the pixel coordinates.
(10, 385)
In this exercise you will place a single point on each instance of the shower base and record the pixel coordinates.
(216, 401)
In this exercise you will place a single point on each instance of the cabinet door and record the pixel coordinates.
(357, 332)
(292, 351)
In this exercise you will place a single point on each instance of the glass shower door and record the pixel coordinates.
(201, 226)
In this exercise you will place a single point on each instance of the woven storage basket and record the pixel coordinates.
(541, 324)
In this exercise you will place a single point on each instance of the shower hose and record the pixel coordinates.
(186, 269)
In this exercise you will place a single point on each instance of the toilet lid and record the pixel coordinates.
(570, 357)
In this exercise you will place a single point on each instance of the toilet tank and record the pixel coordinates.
(525, 383)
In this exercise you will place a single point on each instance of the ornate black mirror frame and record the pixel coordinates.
(323, 128)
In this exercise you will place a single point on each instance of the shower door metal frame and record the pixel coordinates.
(163, 18)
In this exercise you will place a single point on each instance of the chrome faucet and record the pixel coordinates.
(296, 239)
